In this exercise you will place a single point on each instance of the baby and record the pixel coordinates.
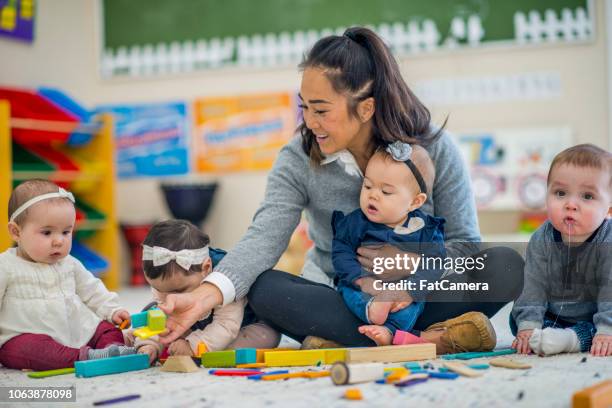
(566, 304)
(53, 311)
(177, 259)
(396, 183)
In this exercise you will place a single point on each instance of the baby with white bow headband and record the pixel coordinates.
(177, 259)
(53, 311)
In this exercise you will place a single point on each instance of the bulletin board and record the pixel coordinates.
(160, 36)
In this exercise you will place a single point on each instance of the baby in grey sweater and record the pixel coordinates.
(566, 304)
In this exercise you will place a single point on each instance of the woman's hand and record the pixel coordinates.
(521, 342)
(367, 254)
(185, 309)
(602, 345)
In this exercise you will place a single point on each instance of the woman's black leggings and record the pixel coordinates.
(298, 307)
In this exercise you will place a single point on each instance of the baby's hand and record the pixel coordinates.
(180, 347)
(150, 350)
(521, 342)
(602, 345)
(120, 315)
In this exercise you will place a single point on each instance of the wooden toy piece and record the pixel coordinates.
(156, 320)
(595, 396)
(391, 354)
(246, 356)
(294, 358)
(299, 374)
(258, 377)
(473, 366)
(477, 354)
(402, 337)
(202, 349)
(51, 373)
(145, 332)
(117, 400)
(443, 375)
(333, 355)
(412, 380)
(124, 324)
(397, 375)
(353, 394)
(462, 369)
(342, 373)
(508, 363)
(252, 365)
(235, 373)
(139, 319)
(412, 366)
(179, 364)
(225, 358)
(261, 352)
(112, 365)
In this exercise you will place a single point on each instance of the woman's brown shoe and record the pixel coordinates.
(314, 342)
(471, 331)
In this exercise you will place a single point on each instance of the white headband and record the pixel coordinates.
(185, 257)
(60, 194)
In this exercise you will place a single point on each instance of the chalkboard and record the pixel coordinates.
(138, 23)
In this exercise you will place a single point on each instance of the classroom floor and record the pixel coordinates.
(550, 383)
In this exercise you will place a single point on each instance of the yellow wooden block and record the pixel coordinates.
(202, 349)
(333, 355)
(295, 358)
(315, 374)
(299, 374)
(353, 394)
(262, 352)
(145, 332)
(397, 375)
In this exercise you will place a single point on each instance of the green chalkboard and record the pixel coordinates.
(140, 22)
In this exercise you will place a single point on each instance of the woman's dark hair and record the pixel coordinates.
(174, 235)
(359, 65)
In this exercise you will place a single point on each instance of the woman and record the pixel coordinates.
(354, 100)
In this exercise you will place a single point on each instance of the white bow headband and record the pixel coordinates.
(185, 257)
(60, 194)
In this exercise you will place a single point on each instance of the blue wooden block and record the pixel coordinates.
(443, 376)
(478, 354)
(246, 356)
(112, 365)
(139, 319)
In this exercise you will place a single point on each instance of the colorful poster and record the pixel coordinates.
(17, 19)
(243, 132)
(509, 167)
(151, 140)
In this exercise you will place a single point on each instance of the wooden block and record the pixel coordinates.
(477, 354)
(462, 369)
(342, 373)
(508, 363)
(397, 375)
(299, 374)
(334, 355)
(235, 373)
(112, 365)
(294, 358)
(202, 349)
(261, 352)
(316, 374)
(156, 320)
(353, 394)
(179, 364)
(225, 358)
(146, 332)
(391, 354)
(402, 337)
(595, 396)
(253, 365)
(246, 356)
(139, 319)
(51, 373)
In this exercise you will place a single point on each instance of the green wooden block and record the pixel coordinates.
(219, 358)
(51, 373)
(156, 320)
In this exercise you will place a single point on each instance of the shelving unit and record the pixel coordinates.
(93, 183)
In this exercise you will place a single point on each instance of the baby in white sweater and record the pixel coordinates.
(53, 311)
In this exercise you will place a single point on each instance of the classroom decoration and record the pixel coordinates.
(242, 132)
(151, 139)
(17, 19)
(182, 36)
(46, 134)
(509, 166)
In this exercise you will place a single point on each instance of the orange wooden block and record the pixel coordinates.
(595, 396)
(353, 394)
(251, 365)
(201, 349)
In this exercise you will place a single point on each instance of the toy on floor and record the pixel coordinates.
(353, 394)
(477, 354)
(155, 323)
(179, 364)
(113, 365)
(51, 373)
(117, 400)
(342, 373)
(462, 369)
(595, 396)
(508, 363)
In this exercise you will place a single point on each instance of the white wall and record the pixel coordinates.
(66, 52)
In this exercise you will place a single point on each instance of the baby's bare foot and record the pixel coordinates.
(380, 334)
(378, 311)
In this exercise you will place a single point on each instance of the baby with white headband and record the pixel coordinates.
(53, 311)
(177, 259)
